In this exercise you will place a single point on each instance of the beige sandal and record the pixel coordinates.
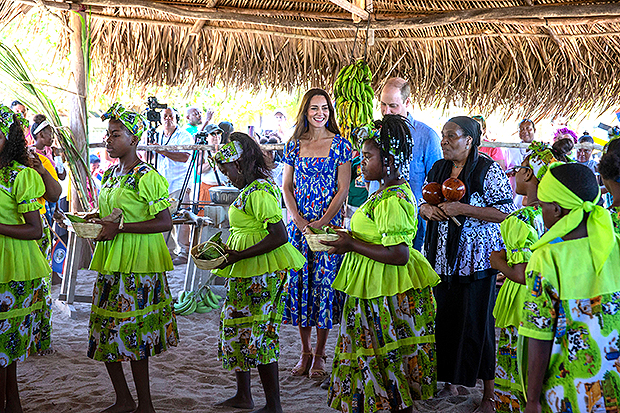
(301, 368)
(317, 374)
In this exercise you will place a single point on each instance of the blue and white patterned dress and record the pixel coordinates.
(311, 300)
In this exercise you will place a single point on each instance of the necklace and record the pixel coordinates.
(119, 170)
(457, 166)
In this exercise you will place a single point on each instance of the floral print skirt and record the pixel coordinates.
(250, 321)
(385, 354)
(131, 317)
(24, 320)
(508, 390)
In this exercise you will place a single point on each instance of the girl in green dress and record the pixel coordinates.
(385, 354)
(519, 231)
(570, 314)
(24, 328)
(256, 272)
(609, 168)
(132, 316)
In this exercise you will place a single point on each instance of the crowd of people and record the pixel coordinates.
(415, 289)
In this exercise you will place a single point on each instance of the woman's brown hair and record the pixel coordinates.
(301, 126)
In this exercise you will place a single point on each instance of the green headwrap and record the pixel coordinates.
(133, 121)
(7, 119)
(540, 157)
(600, 227)
(229, 153)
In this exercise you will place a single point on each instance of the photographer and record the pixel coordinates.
(173, 166)
(212, 135)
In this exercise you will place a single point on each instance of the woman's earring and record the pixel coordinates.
(305, 121)
(327, 124)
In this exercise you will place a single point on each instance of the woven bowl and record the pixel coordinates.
(207, 264)
(315, 245)
(87, 229)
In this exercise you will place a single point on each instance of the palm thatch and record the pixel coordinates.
(533, 56)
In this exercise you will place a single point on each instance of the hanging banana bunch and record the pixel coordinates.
(354, 95)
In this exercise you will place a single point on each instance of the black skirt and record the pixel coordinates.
(465, 331)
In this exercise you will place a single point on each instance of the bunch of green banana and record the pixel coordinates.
(354, 95)
(201, 301)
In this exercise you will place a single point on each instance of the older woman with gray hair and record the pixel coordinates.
(460, 254)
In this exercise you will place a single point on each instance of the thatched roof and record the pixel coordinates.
(539, 56)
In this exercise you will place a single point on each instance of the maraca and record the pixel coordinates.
(432, 193)
(453, 190)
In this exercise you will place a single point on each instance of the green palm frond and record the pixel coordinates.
(17, 77)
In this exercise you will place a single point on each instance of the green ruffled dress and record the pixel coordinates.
(520, 230)
(578, 309)
(24, 324)
(132, 317)
(256, 287)
(385, 354)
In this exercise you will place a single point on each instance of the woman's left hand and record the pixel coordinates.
(109, 231)
(453, 209)
(36, 163)
(342, 245)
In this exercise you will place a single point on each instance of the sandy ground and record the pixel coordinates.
(187, 378)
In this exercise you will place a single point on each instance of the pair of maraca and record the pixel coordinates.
(451, 190)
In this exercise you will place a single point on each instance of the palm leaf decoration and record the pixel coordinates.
(16, 76)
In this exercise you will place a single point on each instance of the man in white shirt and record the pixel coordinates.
(514, 156)
(173, 166)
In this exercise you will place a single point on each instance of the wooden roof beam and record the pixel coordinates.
(507, 15)
(352, 8)
(197, 27)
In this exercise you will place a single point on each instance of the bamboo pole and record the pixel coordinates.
(280, 146)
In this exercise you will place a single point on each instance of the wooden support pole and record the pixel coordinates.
(77, 86)
(78, 115)
(354, 8)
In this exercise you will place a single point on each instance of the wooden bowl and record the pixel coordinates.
(453, 189)
(432, 193)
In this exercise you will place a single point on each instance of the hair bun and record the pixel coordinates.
(562, 147)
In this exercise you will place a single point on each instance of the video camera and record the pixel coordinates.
(200, 138)
(152, 114)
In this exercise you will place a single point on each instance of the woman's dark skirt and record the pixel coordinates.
(465, 331)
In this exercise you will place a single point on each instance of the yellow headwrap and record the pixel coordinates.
(600, 227)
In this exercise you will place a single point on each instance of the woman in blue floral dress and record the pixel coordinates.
(316, 180)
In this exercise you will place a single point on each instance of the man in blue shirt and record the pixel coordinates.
(395, 99)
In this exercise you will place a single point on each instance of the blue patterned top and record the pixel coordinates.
(316, 179)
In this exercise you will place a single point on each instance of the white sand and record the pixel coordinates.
(187, 378)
